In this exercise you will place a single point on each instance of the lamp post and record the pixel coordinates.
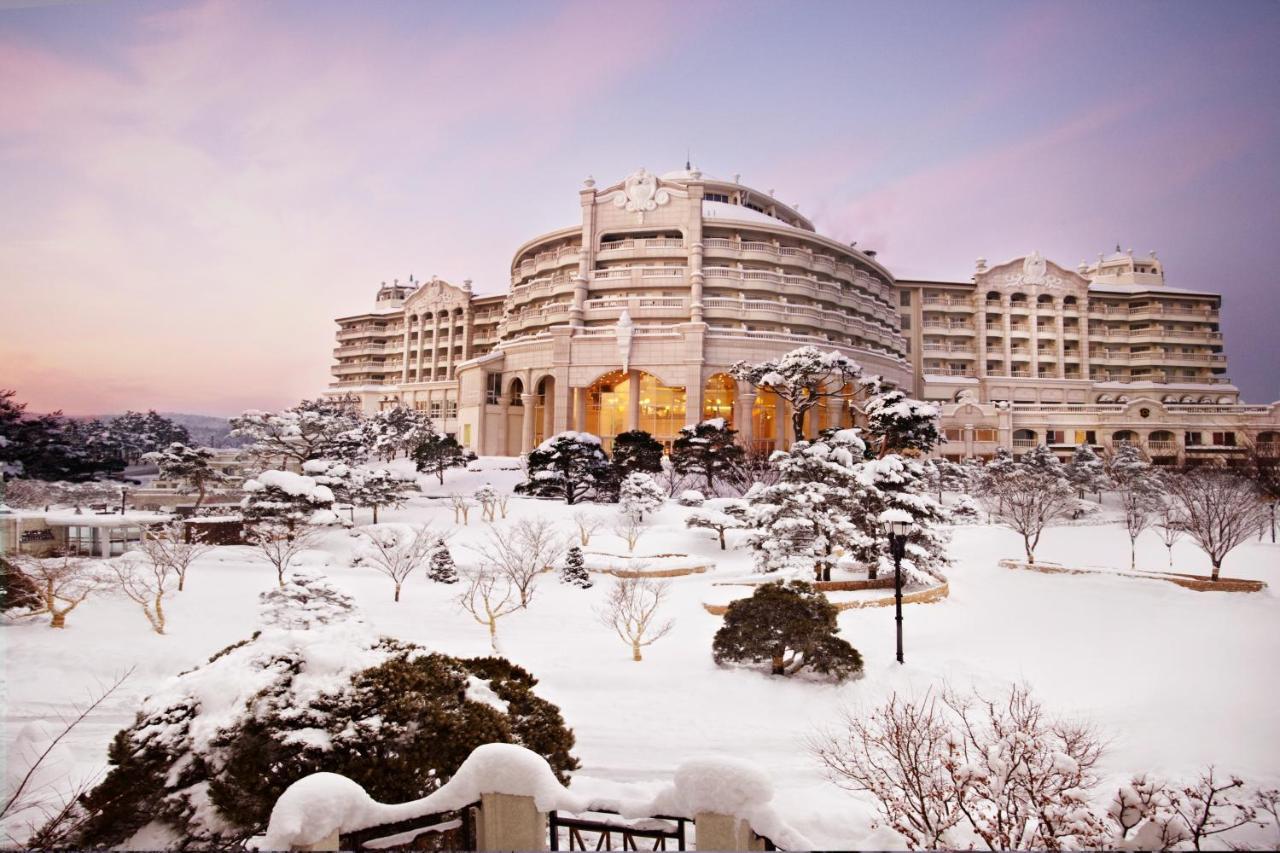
(897, 525)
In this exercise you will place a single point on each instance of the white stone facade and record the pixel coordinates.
(632, 317)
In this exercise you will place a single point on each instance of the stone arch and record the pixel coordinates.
(515, 390)
(618, 401)
(1124, 436)
(544, 408)
(1025, 438)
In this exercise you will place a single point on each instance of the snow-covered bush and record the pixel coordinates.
(965, 511)
(572, 467)
(437, 453)
(307, 600)
(636, 451)
(211, 752)
(691, 497)
(792, 626)
(313, 429)
(640, 494)
(901, 424)
(440, 567)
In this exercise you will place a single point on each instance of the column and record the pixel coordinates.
(561, 403)
(783, 421)
(586, 254)
(746, 403)
(526, 424)
(580, 409)
(435, 345)
(453, 327)
(1033, 321)
(417, 377)
(1006, 319)
(405, 353)
(1062, 344)
(980, 325)
(633, 400)
(693, 395)
(468, 332)
(1082, 306)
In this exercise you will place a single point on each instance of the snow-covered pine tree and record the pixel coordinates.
(1126, 463)
(571, 466)
(313, 429)
(1087, 472)
(636, 450)
(805, 377)
(1026, 496)
(440, 566)
(899, 424)
(395, 431)
(574, 570)
(189, 465)
(289, 498)
(1139, 490)
(379, 487)
(437, 453)
(707, 450)
(720, 515)
(307, 599)
(640, 494)
(487, 497)
(792, 626)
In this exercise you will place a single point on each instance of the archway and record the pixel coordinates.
(544, 409)
(1124, 436)
(618, 401)
(718, 397)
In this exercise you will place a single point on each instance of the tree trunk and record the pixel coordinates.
(797, 422)
(397, 592)
(1031, 554)
(722, 539)
(635, 650)
(493, 633)
(1133, 555)
(1217, 566)
(159, 610)
(200, 497)
(778, 665)
(182, 580)
(375, 513)
(58, 618)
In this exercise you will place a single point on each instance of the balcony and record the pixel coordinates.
(1162, 448)
(648, 246)
(947, 371)
(637, 306)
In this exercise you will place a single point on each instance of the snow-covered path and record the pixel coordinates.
(1176, 678)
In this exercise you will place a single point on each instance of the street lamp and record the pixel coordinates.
(896, 524)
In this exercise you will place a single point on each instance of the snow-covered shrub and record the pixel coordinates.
(572, 467)
(636, 451)
(440, 567)
(437, 453)
(211, 752)
(901, 424)
(691, 497)
(640, 494)
(965, 511)
(708, 451)
(307, 600)
(792, 626)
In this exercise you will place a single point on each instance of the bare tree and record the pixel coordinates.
(279, 545)
(398, 551)
(588, 524)
(61, 583)
(488, 594)
(522, 551)
(1170, 525)
(487, 497)
(630, 526)
(57, 819)
(145, 583)
(461, 508)
(631, 610)
(1220, 510)
(170, 545)
(503, 499)
(1026, 500)
(1139, 500)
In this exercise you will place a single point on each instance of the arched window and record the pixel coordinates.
(1025, 439)
(1124, 436)
(718, 397)
(515, 391)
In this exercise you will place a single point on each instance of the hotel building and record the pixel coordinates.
(632, 317)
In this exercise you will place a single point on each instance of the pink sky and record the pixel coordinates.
(195, 190)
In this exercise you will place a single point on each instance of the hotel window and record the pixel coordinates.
(435, 409)
(1086, 436)
(493, 389)
(720, 197)
(984, 435)
(904, 298)
(80, 540)
(1192, 439)
(1224, 439)
(1054, 436)
(954, 434)
(450, 408)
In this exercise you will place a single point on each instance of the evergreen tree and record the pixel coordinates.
(440, 567)
(640, 494)
(1086, 471)
(792, 626)
(136, 434)
(288, 498)
(707, 450)
(805, 377)
(900, 424)
(51, 447)
(397, 430)
(574, 571)
(313, 429)
(189, 465)
(437, 453)
(571, 466)
(720, 515)
(1126, 464)
(636, 450)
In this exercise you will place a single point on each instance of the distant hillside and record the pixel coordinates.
(206, 430)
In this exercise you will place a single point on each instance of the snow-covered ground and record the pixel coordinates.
(1177, 679)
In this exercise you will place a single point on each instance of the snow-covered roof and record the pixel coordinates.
(721, 210)
(1108, 287)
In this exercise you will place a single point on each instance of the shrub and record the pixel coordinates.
(792, 626)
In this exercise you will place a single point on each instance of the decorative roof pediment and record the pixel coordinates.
(1032, 273)
(437, 295)
(642, 192)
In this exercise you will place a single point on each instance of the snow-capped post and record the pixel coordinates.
(897, 524)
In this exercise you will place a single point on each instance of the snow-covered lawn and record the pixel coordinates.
(1177, 679)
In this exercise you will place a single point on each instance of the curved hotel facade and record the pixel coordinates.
(632, 317)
